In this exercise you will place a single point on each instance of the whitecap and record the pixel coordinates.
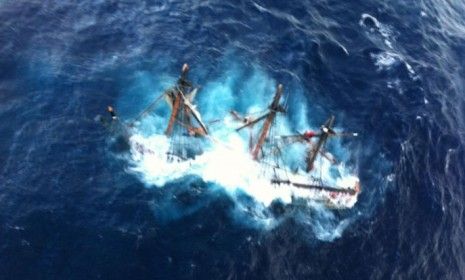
(385, 60)
(374, 25)
(368, 19)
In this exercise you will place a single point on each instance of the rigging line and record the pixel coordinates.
(279, 160)
(177, 141)
(259, 112)
(184, 145)
(272, 165)
(274, 148)
(254, 114)
(321, 161)
(279, 155)
(146, 110)
(286, 102)
(194, 112)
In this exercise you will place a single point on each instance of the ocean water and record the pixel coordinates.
(74, 204)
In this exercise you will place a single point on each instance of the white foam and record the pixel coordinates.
(384, 30)
(226, 161)
(372, 18)
(229, 164)
(385, 60)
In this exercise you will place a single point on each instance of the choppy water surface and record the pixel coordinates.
(73, 206)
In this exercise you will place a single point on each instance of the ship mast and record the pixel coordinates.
(269, 117)
(326, 131)
(175, 98)
(182, 103)
(174, 113)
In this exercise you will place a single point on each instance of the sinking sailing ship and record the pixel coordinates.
(307, 184)
(185, 120)
(185, 125)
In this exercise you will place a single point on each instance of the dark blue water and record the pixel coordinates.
(70, 209)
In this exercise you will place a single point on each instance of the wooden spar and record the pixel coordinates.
(174, 114)
(326, 130)
(190, 109)
(316, 187)
(274, 108)
(251, 123)
(277, 97)
(248, 122)
(261, 139)
(183, 82)
(181, 102)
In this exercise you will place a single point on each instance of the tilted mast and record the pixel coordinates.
(175, 98)
(326, 131)
(174, 113)
(274, 108)
(180, 102)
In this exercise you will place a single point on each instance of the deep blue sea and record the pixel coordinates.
(72, 207)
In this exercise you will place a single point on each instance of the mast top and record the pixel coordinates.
(185, 68)
(277, 96)
(326, 131)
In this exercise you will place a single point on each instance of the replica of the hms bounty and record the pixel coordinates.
(185, 123)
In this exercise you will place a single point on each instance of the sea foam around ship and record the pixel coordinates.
(226, 161)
